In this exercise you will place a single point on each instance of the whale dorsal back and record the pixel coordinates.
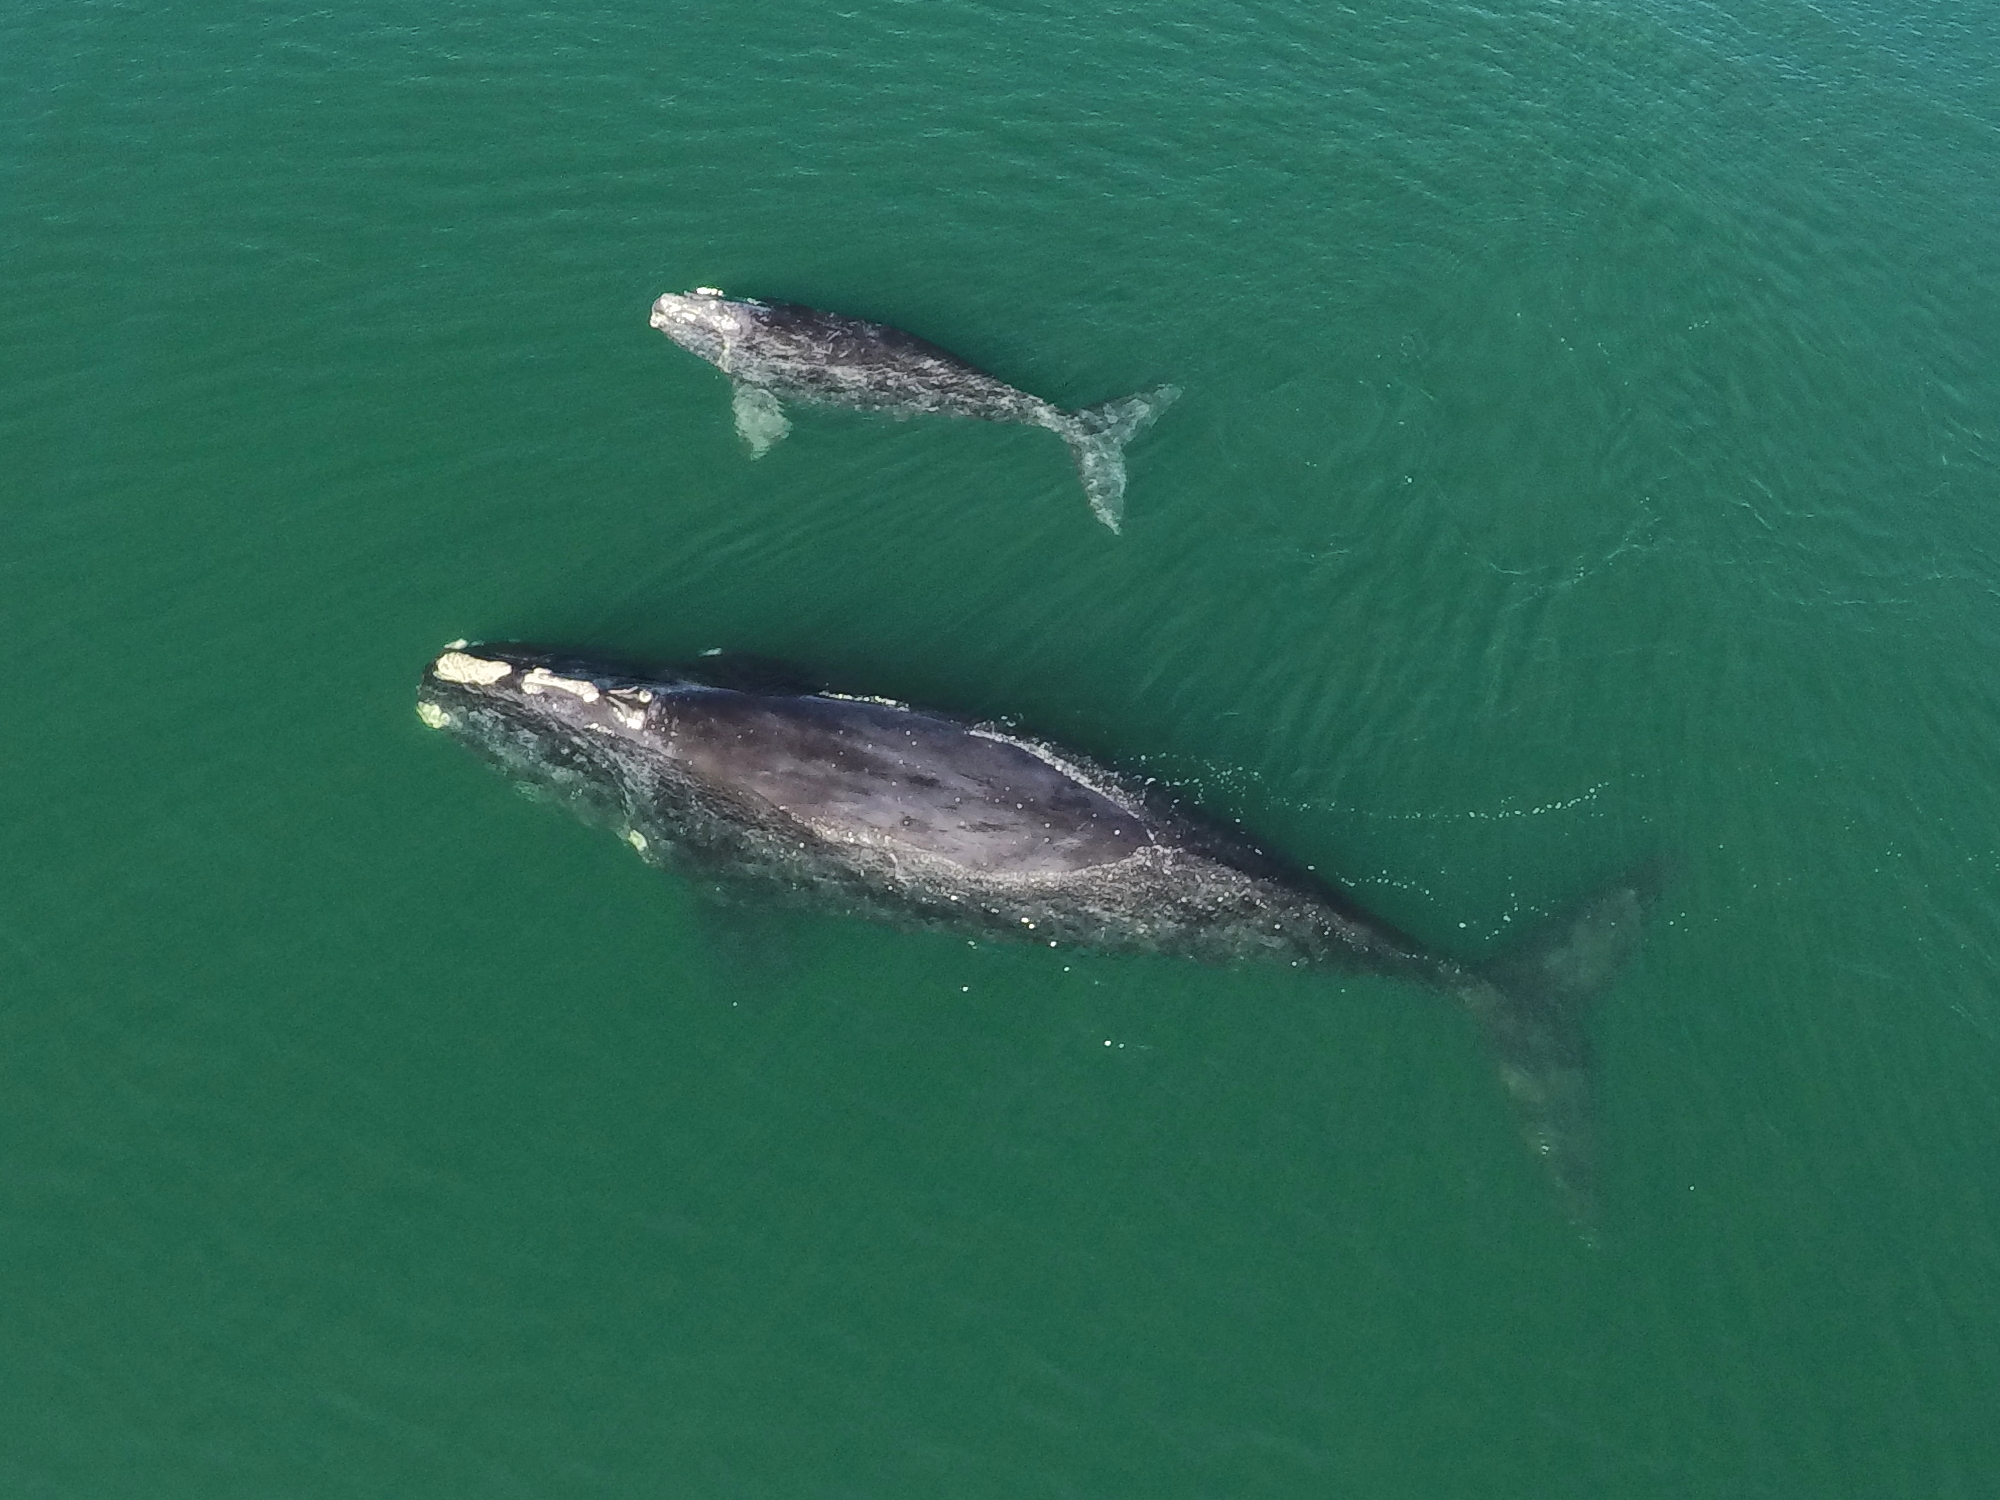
(870, 773)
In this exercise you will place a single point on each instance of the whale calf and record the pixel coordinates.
(775, 352)
(876, 809)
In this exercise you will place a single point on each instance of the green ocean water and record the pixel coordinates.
(1589, 453)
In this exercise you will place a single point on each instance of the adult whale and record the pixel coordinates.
(779, 351)
(870, 807)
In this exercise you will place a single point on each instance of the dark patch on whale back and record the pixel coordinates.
(746, 672)
(877, 774)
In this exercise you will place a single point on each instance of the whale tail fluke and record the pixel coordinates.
(1534, 1004)
(1097, 436)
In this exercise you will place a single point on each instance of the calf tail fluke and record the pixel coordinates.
(1097, 436)
(1534, 1003)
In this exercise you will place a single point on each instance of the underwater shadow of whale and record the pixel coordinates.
(879, 810)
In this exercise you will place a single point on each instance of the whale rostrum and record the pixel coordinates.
(774, 352)
(875, 809)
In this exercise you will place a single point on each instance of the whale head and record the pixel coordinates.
(702, 321)
(584, 731)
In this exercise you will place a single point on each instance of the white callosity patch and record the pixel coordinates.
(456, 666)
(542, 680)
(636, 839)
(627, 706)
(433, 716)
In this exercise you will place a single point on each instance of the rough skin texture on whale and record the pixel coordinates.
(776, 352)
(807, 355)
(895, 814)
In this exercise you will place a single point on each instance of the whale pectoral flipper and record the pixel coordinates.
(760, 420)
(1097, 436)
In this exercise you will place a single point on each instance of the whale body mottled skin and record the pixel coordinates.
(775, 352)
(879, 810)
